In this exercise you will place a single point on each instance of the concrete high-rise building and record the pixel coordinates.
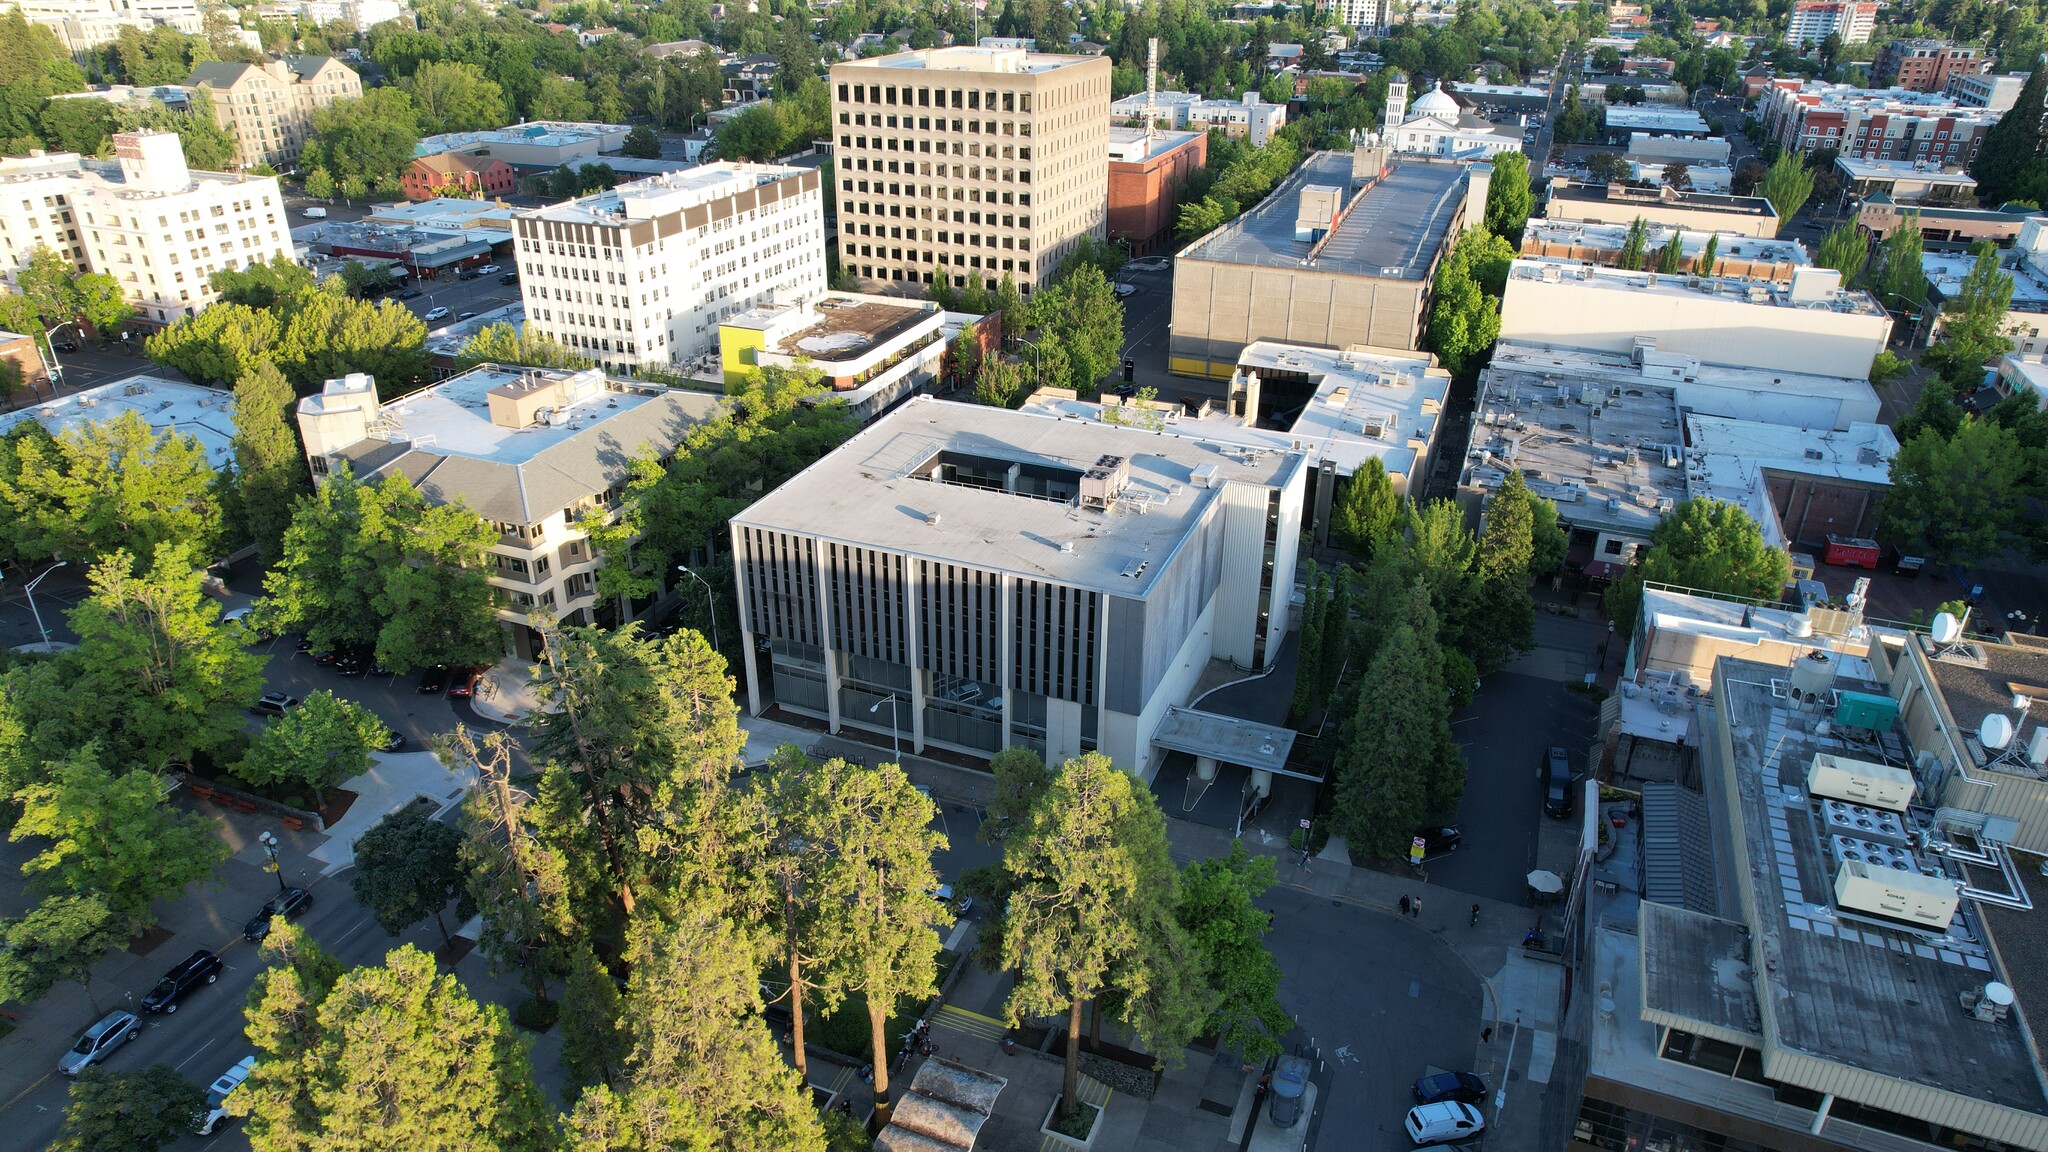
(963, 165)
(1813, 21)
(268, 108)
(151, 223)
(1367, 14)
(643, 273)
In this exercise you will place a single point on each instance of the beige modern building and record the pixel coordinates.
(643, 273)
(1342, 254)
(535, 452)
(269, 107)
(1692, 211)
(963, 165)
(158, 228)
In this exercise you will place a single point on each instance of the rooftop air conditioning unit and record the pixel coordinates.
(1860, 782)
(1906, 898)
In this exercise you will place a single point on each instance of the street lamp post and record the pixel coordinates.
(56, 366)
(269, 841)
(710, 604)
(895, 726)
(42, 634)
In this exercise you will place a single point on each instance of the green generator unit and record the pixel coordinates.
(1865, 710)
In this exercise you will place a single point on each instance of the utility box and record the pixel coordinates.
(1866, 710)
(1852, 552)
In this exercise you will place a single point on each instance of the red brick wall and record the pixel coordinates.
(1142, 207)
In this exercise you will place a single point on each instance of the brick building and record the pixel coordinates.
(1926, 65)
(426, 177)
(1873, 123)
(1145, 174)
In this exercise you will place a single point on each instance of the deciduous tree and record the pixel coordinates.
(1704, 544)
(129, 1111)
(509, 344)
(270, 469)
(1899, 276)
(408, 868)
(1227, 930)
(1787, 186)
(1508, 197)
(366, 138)
(450, 96)
(1845, 248)
(1391, 771)
(1973, 324)
(1955, 498)
(1366, 512)
(320, 743)
(60, 938)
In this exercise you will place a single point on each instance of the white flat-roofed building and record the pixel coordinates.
(871, 350)
(1812, 325)
(1625, 121)
(82, 25)
(1997, 93)
(538, 146)
(959, 166)
(644, 273)
(1249, 118)
(532, 451)
(1907, 181)
(157, 227)
(2022, 372)
(205, 414)
(1772, 396)
(1813, 21)
(1800, 484)
(1014, 579)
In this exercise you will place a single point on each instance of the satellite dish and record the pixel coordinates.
(1994, 731)
(1998, 994)
(1946, 627)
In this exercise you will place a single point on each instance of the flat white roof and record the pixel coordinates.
(1621, 280)
(207, 414)
(1945, 272)
(453, 418)
(541, 133)
(1731, 245)
(972, 59)
(1656, 119)
(1726, 456)
(1614, 368)
(667, 193)
(1131, 145)
(1857, 169)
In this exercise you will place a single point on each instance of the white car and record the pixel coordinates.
(1443, 1121)
(217, 1095)
(488, 270)
(1126, 289)
(436, 314)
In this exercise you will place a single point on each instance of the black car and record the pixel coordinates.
(290, 903)
(350, 663)
(467, 274)
(433, 681)
(409, 294)
(1557, 782)
(396, 742)
(326, 659)
(1463, 1087)
(1438, 841)
(64, 345)
(466, 316)
(509, 278)
(202, 967)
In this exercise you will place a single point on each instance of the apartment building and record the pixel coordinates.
(1366, 14)
(963, 165)
(1815, 20)
(972, 578)
(82, 25)
(533, 451)
(1249, 117)
(268, 108)
(644, 272)
(428, 176)
(1926, 65)
(147, 220)
(1985, 90)
(1874, 123)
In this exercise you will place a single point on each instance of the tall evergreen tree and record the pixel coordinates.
(1973, 324)
(1365, 512)
(1709, 256)
(1508, 197)
(1787, 185)
(270, 470)
(1900, 278)
(2011, 153)
(1634, 246)
(1308, 655)
(1671, 258)
(1845, 248)
(1389, 781)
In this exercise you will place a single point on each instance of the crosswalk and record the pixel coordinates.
(1091, 1091)
(960, 1020)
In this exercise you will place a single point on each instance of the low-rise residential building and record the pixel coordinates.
(207, 415)
(1905, 182)
(1249, 118)
(643, 273)
(1692, 211)
(872, 351)
(1811, 325)
(432, 177)
(268, 108)
(1344, 252)
(1985, 90)
(1873, 123)
(1815, 20)
(972, 578)
(1926, 65)
(154, 225)
(534, 452)
(1735, 254)
(1147, 169)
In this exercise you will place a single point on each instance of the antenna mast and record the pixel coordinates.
(1151, 86)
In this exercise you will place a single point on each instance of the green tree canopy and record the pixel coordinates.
(1956, 497)
(325, 740)
(2010, 158)
(409, 868)
(1397, 766)
(450, 96)
(1227, 931)
(1464, 321)
(1973, 324)
(270, 469)
(1703, 544)
(1508, 197)
(1845, 248)
(510, 344)
(370, 138)
(129, 1111)
(1366, 513)
(61, 938)
(106, 486)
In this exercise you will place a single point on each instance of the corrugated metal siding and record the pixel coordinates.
(959, 621)
(778, 576)
(1678, 848)
(1054, 654)
(866, 590)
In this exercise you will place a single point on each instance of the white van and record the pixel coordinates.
(315, 213)
(1444, 1121)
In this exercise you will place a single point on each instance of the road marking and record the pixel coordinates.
(25, 1091)
(194, 1056)
(352, 931)
(957, 1019)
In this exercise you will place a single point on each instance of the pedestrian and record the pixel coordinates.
(1486, 1034)
(1404, 904)
(1416, 904)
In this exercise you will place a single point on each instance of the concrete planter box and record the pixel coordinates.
(1094, 1125)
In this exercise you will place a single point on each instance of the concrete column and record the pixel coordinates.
(754, 693)
(1205, 767)
(1262, 782)
(832, 720)
(1820, 1118)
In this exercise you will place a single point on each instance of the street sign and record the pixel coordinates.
(1415, 848)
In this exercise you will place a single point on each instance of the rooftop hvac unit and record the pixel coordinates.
(1927, 903)
(1813, 674)
(1860, 782)
(1203, 476)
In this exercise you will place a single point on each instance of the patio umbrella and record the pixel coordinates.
(1548, 883)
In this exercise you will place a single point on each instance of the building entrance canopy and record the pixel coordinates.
(1230, 740)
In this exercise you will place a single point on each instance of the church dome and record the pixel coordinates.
(1435, 102)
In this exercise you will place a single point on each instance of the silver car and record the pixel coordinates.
(99, 1042)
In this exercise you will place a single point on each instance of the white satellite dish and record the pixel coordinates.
(1994, 731)
(1946, 627)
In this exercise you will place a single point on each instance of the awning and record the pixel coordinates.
(1230, 740)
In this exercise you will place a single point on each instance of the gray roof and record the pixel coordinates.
(218, 73)
(1678, 848)
(556, 477)
(1391, 229)
(1698, 968)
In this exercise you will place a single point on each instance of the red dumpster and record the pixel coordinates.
(1851, 552)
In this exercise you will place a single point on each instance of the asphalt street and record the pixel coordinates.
(1148, 320)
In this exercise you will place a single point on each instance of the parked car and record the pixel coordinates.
(350, 663)
(509, 278)
(64, 345)
(246, 616)
(327, 659)
(433, 681)
(410, 294)
(464, 684)
(468, 274)
(1290, 1086)
(1439, 841)
(488, 270)
(201, 967)
(1557, 782)
(436, 313)
(467, 316)
(315, 213)
(1463, 1087)
(99, 1042)
(274, 704)
(1438, 1123)
(1126, 289)
(290, 904)
(216, 1096)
